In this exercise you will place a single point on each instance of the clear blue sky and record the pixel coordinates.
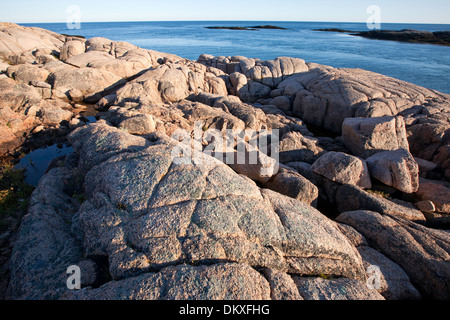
(401, 11)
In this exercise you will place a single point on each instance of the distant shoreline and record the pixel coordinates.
(254, 28)
(441, 38)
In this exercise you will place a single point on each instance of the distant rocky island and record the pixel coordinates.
(439, 37)
(254, 28)
(346, 195)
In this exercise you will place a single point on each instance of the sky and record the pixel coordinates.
(391, 11)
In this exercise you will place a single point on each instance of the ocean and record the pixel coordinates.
(422, 64)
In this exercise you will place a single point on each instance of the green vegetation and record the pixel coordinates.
(80, 197)
(8, 61)
(14, 194)
(379, 193)
(121, 206)
(325, 276)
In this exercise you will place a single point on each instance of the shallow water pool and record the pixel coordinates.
(36, 162)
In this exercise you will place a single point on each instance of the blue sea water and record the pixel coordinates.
(423, 64)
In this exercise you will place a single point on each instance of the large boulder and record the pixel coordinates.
(294, 185)
(343, 168)
(268, 73)
(17, 42)
(131, 121)
(437, 192)
(130, 64)
(171, 83)
(92, 83)
(429, 139)
(397, 169)
(387, 277)
(421, 252)
(295, 147)
(254, 164)
(71, 48)
(335, 289)
(350, 198)
(89, 144)
(129, 52)
(384, 275)
(27, 73)
(210, 118)
(272, 72)
(326, 96)
(292, 213)
(85, 59)
(368, 136)
(17, 96)
(248, 90)
(201, 203)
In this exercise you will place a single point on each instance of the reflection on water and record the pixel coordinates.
(91, 119)
(36, 162)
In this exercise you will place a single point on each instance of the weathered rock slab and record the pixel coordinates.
(368, 136)
(437, 192)
(421, 252)
(335, 289)
(397, 169)
(184, 282)
(343, 168)
(350, 198)
(93, 83)
(387, 277)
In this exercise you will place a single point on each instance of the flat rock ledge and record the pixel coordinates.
(140, 214)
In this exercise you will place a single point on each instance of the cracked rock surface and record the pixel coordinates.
(143, 217)
(355, 177)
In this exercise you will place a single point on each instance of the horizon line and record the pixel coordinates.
(294, 21)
